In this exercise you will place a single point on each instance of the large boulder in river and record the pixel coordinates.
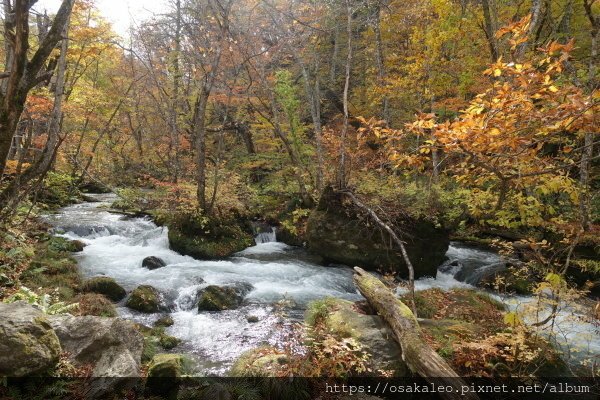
(28, 344)
(153, 263)
(337, 232)
(208, 239)
(144, 298)
(106, 286)
(219, 298)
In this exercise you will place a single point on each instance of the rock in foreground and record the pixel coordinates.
(28, 344)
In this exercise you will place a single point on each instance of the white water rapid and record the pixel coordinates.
(117, 244)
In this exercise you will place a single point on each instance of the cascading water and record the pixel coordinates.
(572, 333)
(116, 246)
(266, 237)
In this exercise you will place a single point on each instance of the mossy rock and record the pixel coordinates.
(57, 243)
(261, 362)
(343, 319)
(164, 321)
(207, 248)
(105, 286)
(217, 298)
(336, 231)
(95, 304)
(144, 299)
(164, 373)
(208, 239)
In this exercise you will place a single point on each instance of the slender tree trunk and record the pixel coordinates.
(490, 21)
(314, 100)
(175, 95)
(380, 60)
(334, 56)
(534, 25)
(584, 179)
(342, 178)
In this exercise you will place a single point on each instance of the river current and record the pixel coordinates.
(279, 275)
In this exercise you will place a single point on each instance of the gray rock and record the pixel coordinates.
(113, 346)
(28, 345)
(153, 263)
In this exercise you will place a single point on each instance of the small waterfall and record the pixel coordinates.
(266, 237)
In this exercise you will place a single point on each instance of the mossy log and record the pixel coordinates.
(416, 353)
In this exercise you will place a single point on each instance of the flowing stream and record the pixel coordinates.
(117, 244)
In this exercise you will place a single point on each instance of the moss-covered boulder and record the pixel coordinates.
(219, 298)
(208, 239)
(164, 373)
(338, 232)
(105, 286)
(345, 319)
(261, 362)
(164, 321)
(28, 344)
(58, 243)
(144, 298)
(95, 304)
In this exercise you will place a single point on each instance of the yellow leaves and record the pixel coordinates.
(556, 281)
(497, 72)
(494, 132)
(553, 88)
(512, 319)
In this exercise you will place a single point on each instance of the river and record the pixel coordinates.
(117, 244)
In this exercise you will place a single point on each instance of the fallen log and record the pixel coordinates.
(418, 355)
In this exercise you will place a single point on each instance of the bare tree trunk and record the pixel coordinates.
(342, 178)
(534, 25)
(175, 95)
(334, 56)
(416, 353)
(380, 60)
(491, 26)
(314, 100)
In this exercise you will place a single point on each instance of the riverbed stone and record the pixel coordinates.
(144, 298)
(336, 232)
(263, 361)
(153, 263)
(106, 286)
(164, 321)
(219, 298)
(28, 344)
